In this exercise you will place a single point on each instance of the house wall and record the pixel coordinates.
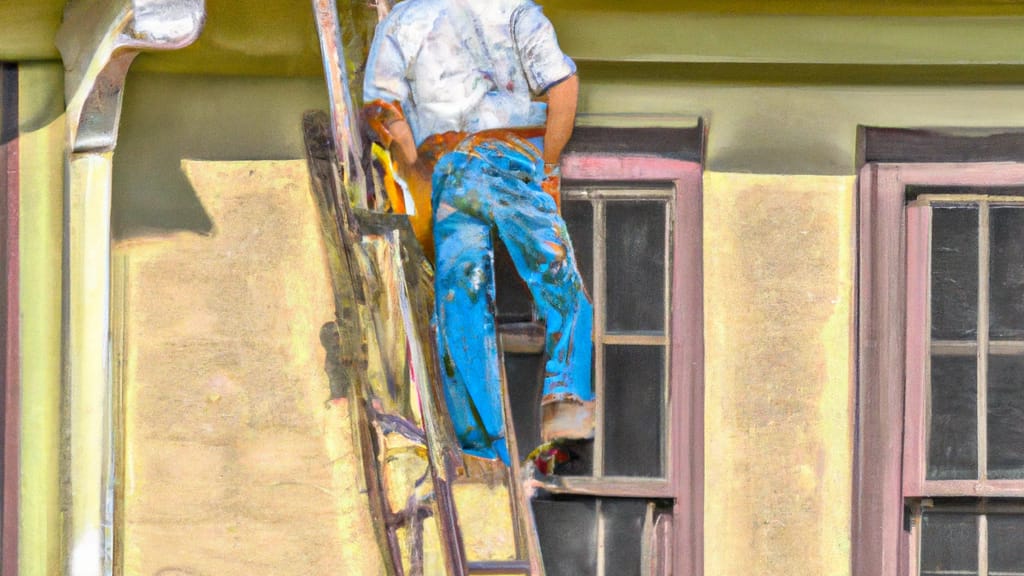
(779, 266)
(778, 256)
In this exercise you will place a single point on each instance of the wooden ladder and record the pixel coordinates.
(334, 151)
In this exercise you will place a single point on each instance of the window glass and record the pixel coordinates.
(1006, 310)
(579, 220)
(952, 434)
(1006, 544)
(514, 302)
(955, 273)
(1006, 417)
(577, 533)
(635, 392)
(623, 527)
(525, 375)
(636, 266)
(949, 544)
(567, 529)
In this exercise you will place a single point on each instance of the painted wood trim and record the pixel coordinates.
(686, 425)
(917, 348)
(10, 185)
(960, 488)
(985, 174)
(604, 167)
(910, 549)
(995, 348)
(6, 222)
(609, 486)
(877, 498)
(688, 363)
(894, 145)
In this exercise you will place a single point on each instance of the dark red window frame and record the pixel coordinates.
(889, 450)
(9, 366)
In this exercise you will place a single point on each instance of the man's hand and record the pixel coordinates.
(552, 184)
(403, 146)
(402, 143)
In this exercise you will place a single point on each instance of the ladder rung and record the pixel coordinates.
(522, 337)
(500, 567)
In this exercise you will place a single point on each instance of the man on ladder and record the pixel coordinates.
(453, 88)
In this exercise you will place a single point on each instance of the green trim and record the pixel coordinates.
(802, 74)
(41, 175)
(250, 37)
(704, 38)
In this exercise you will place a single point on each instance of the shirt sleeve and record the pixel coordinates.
(385, 77)
(543, 60)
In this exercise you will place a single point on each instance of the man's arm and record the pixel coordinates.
(562, 99)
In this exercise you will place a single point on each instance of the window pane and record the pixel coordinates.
(636, 265)
(952, 434)
(567, 529)
(954, 273)
(1006, 312)
(634, 391)
(513, 300)
(623, 529)
(1006, 417)
(579, 220)
(949, 544)
(525, 374)
(1006, 544)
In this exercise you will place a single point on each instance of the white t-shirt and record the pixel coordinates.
(465, 69)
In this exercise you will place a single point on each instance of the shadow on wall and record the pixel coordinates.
(779, 141)
(168, 118)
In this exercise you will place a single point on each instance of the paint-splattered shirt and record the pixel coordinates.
(465, 65)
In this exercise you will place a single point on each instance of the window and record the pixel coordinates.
(964, 439)
(633, 503)
(939, 484)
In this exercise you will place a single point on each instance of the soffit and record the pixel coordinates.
(261, 37)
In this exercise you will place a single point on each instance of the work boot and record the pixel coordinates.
(568, 419)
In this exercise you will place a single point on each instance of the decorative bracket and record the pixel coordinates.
(98, 41)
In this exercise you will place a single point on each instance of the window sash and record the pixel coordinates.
(982, 510)
(683, 460)
(920, 348)
(602, 200)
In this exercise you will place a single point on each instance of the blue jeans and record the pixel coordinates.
(489, 185)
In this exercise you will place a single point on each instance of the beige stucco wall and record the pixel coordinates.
(230, 442)
(778, 290)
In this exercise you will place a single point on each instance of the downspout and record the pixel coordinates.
(98, 40)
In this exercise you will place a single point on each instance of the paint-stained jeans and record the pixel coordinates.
(487, 185)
